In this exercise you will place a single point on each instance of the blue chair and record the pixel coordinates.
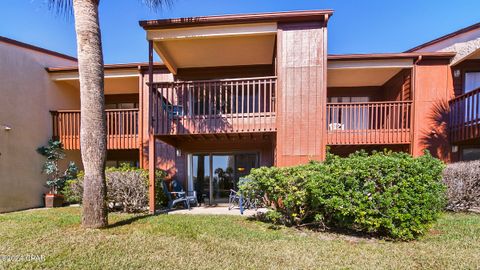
(172, 110)
(178, 195)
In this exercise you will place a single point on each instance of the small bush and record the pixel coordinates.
(127, 189)
(284, 190)
(463, 185)
(73, 190)
(389, 194)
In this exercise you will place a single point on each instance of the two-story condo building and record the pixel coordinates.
(236, 92)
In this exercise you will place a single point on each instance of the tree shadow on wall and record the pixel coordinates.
(436, 138)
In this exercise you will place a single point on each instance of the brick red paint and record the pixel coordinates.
(302, 93)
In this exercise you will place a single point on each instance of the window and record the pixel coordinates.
(123, 105)
(128, 105)
(472, 82)
(119, 163)
(348, 118)
(471, 153)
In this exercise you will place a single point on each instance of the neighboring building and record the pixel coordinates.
(465, 69)
(242, 91)
(26, 96)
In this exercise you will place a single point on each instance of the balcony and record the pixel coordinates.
(464, 120)
(214, 106)
(360, 123)
(122, 128)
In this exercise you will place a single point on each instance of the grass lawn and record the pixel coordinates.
(223, 242)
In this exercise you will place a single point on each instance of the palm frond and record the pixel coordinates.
(61, 7)
(157, 4)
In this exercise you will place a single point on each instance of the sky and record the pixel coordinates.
(368, 26)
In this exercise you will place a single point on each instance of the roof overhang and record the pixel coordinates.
(449, 39)
(392, 56)
(37, 49)
(73, 74)
(215, 46)
(290, 16)
(220, 41)
(361, 70)
(119, 79)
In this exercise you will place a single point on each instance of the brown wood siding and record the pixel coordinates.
(123, 155)
(167, 160)
(160, 75)
(464, 67)
(176, 167)
(214, 73)
(398, 88)
(121, 98)
(375, 93)
(302, 92)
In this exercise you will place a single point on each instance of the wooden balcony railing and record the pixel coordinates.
(122, 128)
(464, 119)
(369, 123)
(216, 106)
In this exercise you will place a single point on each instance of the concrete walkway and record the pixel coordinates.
(215, 210)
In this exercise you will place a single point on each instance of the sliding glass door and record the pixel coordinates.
(213, 175)
(223, 176)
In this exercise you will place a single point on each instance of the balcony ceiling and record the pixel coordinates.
(113, 86)
(215, 46)
(364, 72)
(121, 81)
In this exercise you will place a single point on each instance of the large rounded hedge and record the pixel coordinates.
(388, 194)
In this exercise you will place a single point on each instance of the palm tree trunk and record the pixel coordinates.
(93, 139)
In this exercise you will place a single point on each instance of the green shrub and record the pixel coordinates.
(389, 194)
(73, 190)
(56, 179)
(284, 190)
(127, 189)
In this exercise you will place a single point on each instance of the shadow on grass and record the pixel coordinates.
(128, 221)
(319, 227)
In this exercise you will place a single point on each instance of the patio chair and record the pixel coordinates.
(176, 197)
(170, 109)
(190, 195)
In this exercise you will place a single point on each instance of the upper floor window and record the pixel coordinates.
(348, 99)
(472, 81)
(348, 117)
(471, 153)
(472, 108)
(123, 105)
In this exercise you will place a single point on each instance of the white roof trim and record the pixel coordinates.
(212, 31)
(73, 75)
(365, 64)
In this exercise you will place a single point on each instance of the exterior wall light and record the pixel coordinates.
(454, 148)
(6, 128)
(456, 73)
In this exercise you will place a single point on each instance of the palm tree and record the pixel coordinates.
(93, 135)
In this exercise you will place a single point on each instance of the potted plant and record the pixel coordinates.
(53, 152)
